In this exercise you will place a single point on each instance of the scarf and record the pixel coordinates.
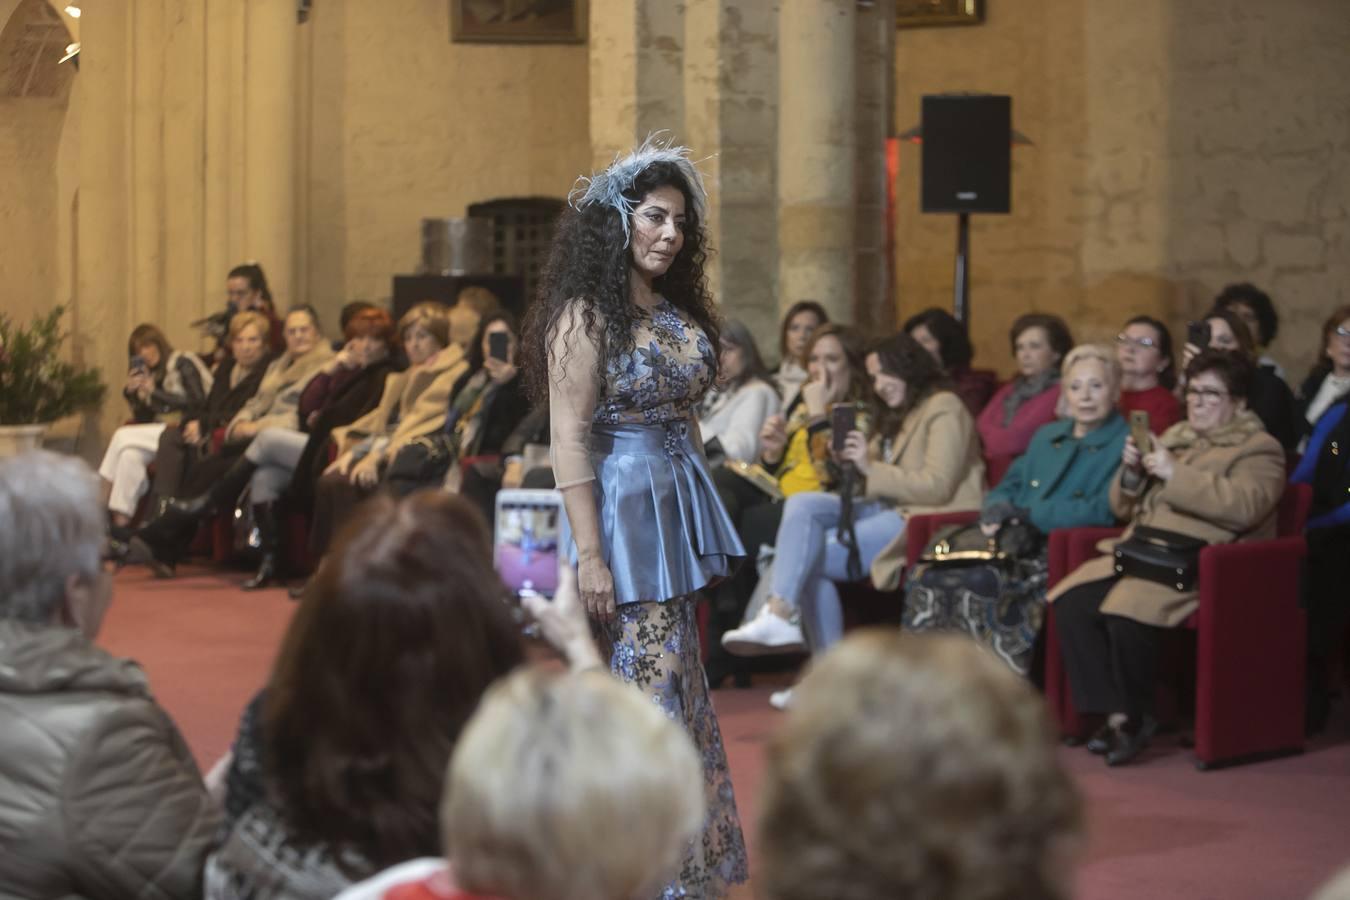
(1182, 437)
(1024, 389)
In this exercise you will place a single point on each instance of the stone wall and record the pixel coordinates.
(1179, 147)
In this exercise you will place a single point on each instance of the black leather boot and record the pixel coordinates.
(269, 539)
(222, 494)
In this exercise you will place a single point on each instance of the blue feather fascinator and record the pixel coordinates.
(608, 187)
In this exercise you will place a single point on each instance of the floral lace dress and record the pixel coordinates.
(664, 536)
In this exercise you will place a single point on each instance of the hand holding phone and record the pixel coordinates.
(1139, 430)
(499, 344)
(527, 540)
(843, 419)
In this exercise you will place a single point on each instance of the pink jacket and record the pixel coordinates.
(1014, 439)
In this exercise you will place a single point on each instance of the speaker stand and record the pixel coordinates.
(961, 281)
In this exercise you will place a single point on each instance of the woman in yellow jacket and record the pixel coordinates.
(924, 458)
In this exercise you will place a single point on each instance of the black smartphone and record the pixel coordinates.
(499, 344)
(138, 363)
(1197, 333)
(843, 419)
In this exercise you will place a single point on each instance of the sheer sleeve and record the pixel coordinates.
(573, 391)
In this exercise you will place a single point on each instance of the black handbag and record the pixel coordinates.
(1161, 556)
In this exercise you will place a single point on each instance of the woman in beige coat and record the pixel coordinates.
(1217, 476)
(924, 458)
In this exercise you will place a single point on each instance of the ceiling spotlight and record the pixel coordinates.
(72, 51)
(73, 11)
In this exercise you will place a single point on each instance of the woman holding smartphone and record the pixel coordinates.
(925, 457)
(622, 339)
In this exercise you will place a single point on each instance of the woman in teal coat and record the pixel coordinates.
(1062, 481)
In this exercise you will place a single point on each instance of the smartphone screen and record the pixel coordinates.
(138, 362)
(1139, 430)
(498, 343)
(527, 540)
(1197, 333)
(843, 419)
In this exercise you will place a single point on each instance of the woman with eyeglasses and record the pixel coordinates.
(1148, 374)
(1215, 477)
(1330, 378)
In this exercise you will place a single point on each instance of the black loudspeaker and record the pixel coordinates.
(967, 153)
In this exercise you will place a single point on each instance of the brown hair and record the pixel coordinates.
(901, 356)
(370, 322)
(796, 309)
(146, 333)
(241, 320)
(1239, 329)
(1056, 332)
(1234, 369)
(859, 388)
(399, 635)
(914, 766)
(431, 315)
(1323, 364)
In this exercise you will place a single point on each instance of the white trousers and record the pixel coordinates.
(131, 450)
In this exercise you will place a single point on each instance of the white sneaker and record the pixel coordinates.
(781, 699)
(766, 633)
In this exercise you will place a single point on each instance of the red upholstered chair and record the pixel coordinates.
(1250, 635)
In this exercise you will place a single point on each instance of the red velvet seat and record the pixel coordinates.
(1250, 636)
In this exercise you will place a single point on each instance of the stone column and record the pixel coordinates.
(636, 85)
(731, 106)
(269, 150)
(876, 308)
(817, 148)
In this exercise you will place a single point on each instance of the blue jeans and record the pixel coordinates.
(808, 558)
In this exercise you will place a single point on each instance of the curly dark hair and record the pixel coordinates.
(903, 357)
(1236, 370)
(589, 263)
(1056, 332)
(953, 341)
(1258, 301)
(1168, 376)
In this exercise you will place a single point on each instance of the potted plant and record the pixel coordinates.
(36, 387)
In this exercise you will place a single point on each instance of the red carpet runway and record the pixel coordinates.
(1159, 829)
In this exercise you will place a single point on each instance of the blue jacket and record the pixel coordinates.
(1064, 482)
(1307, 467)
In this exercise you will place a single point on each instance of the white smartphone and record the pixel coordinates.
(527, 539)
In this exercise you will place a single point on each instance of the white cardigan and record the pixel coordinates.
(735, 419)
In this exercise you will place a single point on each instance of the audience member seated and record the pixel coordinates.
(339, 764)
(1213, 478)
(246, 290)
(915, 766)
(562, 787)
(1148, 372)
(275, 405)
(472, 305)
(348, 312)
(938, 332)
(342, 390)
(794, 456)
(412, 409)
(1330, 376)
(735, 410)
(1012, 415)
(1254, 307)
(1269, 397)
(236, 380)
(466, 455)
(1060, 482)
(1326, 466)
(794, 342)
(923, 458)
(161, 382)
(99, 796)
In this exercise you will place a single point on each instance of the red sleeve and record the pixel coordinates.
(278, 335)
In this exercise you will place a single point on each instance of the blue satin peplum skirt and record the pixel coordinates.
(663, 528)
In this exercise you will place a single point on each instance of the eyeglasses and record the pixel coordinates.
(1207, 396)
(1125, 340)
(1342, 333)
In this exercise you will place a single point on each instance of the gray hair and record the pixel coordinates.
(51, 528)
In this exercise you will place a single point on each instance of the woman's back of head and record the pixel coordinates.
(395, 641)
(914, 766)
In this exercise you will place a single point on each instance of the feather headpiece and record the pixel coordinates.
(608, 187)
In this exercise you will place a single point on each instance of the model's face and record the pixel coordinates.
(419, 344)
(248, 346)
(499, 327)
(242, 296)
(301, 333)
(828, 359)
(1137, 348)
(1338, 348)
(1087, 389)
(799, 329)
(732, 360)
(149, 351)
(925, 339)
(1208, 403)
(1034, 353)
(1221, 336)
(658, 231)
(892, 389)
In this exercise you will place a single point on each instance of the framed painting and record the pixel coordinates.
(918, 13)
(518, 21)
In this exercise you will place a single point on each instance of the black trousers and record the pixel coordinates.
(1112, 661)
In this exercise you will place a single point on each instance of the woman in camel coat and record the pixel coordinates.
(1217, 476)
